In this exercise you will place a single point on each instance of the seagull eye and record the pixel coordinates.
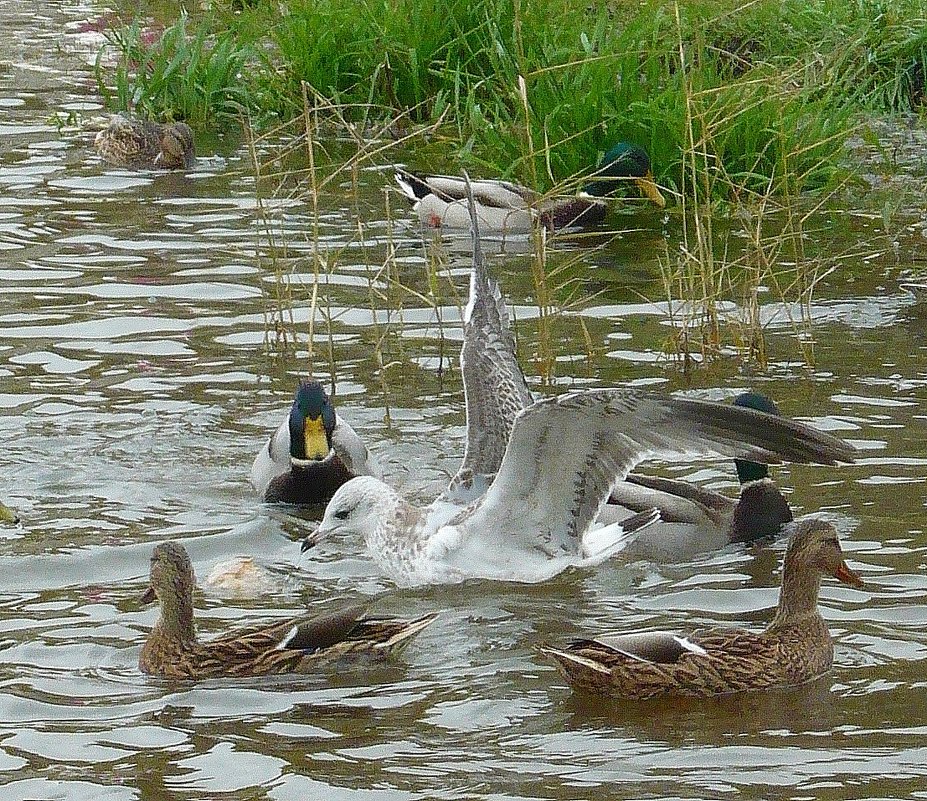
(342, 514)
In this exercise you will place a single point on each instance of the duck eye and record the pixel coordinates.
(342, 514)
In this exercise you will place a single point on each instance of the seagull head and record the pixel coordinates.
(358, 507)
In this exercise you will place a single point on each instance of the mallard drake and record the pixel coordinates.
(296, 645)
(795, 648)
(7, 515)
(694, 518)
(312, 453)
(140, 144)
(441, 200)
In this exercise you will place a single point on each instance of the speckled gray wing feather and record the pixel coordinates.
(566, 453)
(494, 385)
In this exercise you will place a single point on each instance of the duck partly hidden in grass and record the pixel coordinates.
(794, 649)
(311, 454)
(296, 645)
(143, 145)
(504, 207)
(693, 518)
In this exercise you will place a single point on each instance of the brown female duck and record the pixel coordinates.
(296, 645)
(795, 648)
(143, 145)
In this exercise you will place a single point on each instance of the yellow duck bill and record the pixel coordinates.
(650, 190)
(316, 439)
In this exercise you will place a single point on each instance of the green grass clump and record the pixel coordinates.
(763, 92)
(186, 73)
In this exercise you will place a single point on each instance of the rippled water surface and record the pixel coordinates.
(136, 387)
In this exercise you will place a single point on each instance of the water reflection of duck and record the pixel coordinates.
(140, 144)
(795, 648)
(680, 720)
(693, 518)
(286, 646)
(441, 200)
(312, 453)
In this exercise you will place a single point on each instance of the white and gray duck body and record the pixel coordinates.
(440, 201)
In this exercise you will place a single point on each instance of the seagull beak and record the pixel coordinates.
(313, 539)
(847, 576)
(150, 596)
(649, 187)
(315, 438)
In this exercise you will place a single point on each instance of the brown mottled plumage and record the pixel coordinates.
(295, 645)
(140, 144)
(795, 648)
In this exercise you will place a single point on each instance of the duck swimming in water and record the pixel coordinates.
(312, 453)
(795, 648)
(694, 519)
(295, 645)
(504, 207)
(142, 145)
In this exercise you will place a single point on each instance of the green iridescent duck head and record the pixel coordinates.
(622, 164)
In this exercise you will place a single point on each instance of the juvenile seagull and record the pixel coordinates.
(563, 458)
(547, 482)
(312, 453)
(693, 519)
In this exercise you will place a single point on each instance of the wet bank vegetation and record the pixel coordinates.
(744, 107)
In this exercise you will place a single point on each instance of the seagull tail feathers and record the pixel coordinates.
(603, 543)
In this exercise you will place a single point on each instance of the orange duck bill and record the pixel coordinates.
(847, 576)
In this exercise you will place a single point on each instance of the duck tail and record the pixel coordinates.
(572, 665)
(602, 543)
(411, 185)
(401, 637)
